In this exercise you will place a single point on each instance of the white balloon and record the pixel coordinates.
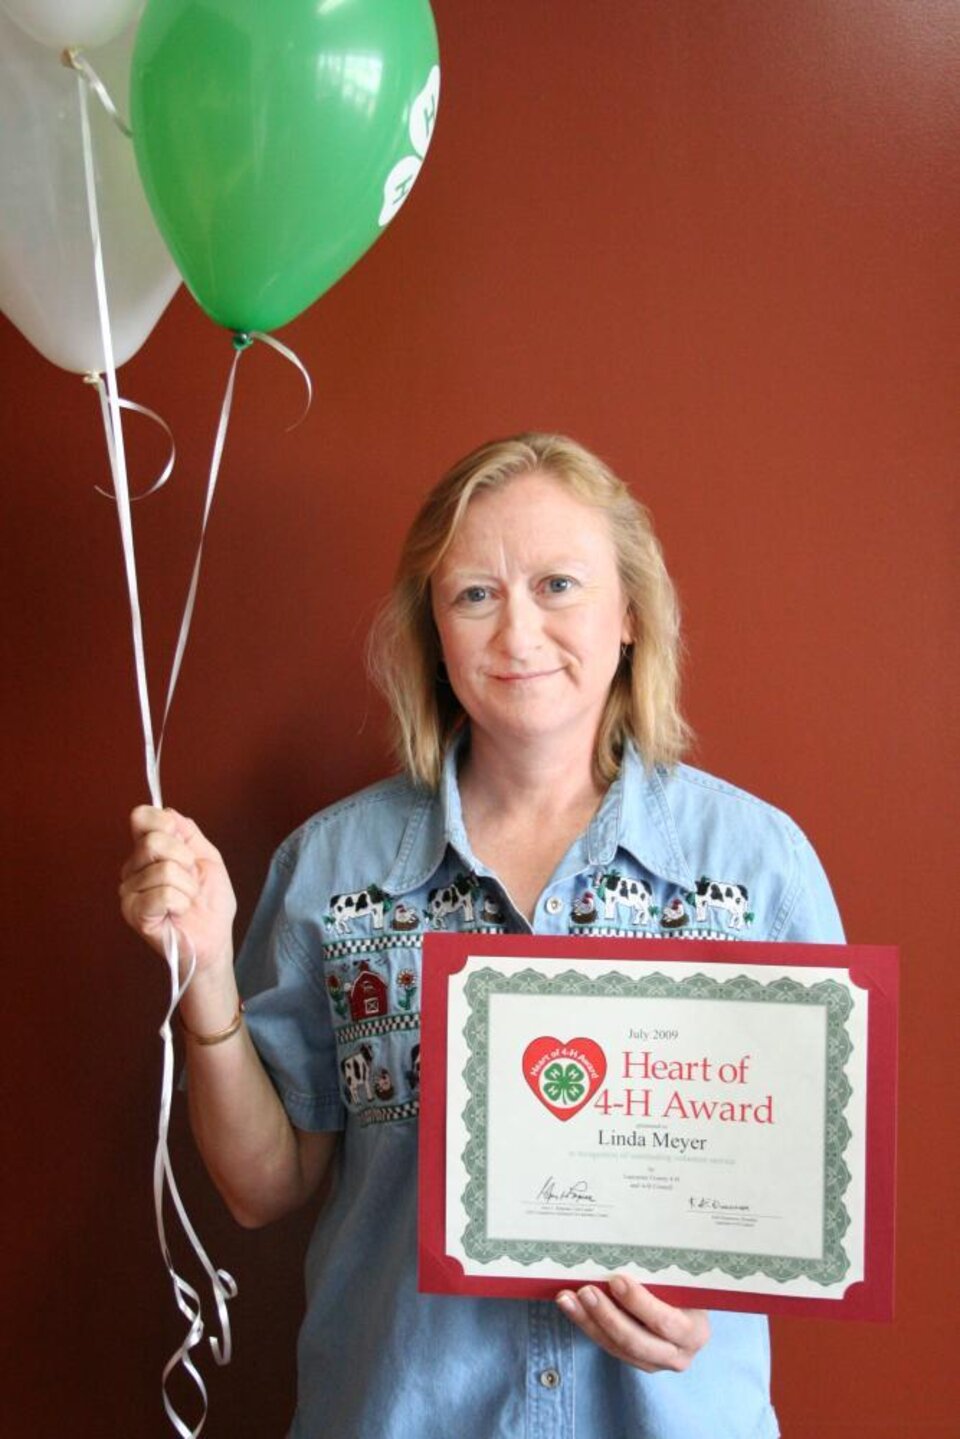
(47, 285)
(64, 23)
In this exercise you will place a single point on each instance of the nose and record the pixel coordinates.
(521, 628)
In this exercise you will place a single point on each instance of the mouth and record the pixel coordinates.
(526, 677)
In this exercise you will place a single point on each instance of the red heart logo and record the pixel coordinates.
(564, 1074)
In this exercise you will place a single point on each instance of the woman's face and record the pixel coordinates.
(530, 613)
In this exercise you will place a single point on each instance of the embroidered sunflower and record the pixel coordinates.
(407, 985)
(337, 994)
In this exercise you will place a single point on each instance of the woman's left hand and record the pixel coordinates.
(633, 1325)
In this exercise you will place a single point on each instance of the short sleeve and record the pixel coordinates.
(810, 914)
(287, 1010)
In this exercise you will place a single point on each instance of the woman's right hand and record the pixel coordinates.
(174, 873)
(261, 1164)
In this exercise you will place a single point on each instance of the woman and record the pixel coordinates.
(529, 652)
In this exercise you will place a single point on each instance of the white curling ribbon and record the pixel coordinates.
(115, 449)
(218, 447)
(224, 1288)
(74, 60)
(294, 360)
(222, 1284)
(166, 472)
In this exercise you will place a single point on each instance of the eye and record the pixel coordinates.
(558, 584)
(473, 595)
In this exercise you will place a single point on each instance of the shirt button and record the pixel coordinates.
(550, 1378)
(553, 906)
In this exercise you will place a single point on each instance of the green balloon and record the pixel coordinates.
(276, 138)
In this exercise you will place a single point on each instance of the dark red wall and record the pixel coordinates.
(717, 243)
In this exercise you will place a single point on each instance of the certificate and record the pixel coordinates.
(717, 1120)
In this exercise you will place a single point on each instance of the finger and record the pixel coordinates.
(155, 847)
(192, 835)
(148, 912)
(158, 890)
(147, 915)
(147, 817)
(687, 1328)
(618, 1333)
(158, 874)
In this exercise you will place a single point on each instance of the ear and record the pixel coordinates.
(628, 629)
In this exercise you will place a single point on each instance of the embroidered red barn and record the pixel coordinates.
(368, 995)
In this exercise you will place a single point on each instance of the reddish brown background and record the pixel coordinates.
(714, 240)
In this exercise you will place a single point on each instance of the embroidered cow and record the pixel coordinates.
(356, 1070)
(344, 908)
(718, 894)
(633, 895)
(451, 898)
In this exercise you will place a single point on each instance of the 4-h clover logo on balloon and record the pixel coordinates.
(423, 115)
(564, 1075)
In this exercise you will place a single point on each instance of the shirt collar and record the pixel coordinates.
(634, 815)
(435, 823)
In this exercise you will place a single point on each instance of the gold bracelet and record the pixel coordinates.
(221, 1034)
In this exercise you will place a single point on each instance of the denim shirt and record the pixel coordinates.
(331, 973)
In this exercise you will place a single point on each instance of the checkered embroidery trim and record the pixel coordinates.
(372, 944)
(393, 939)
(379, 1024)
(382, 1115)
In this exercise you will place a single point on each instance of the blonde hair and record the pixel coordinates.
(404, 650)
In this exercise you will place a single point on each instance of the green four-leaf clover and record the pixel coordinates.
(564, 1083)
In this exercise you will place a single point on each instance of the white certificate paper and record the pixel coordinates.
(701, 1125)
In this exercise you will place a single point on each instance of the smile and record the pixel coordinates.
(526, 678)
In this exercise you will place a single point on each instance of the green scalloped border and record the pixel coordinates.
(834, 997)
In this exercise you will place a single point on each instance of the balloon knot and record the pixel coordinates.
(68, 57)
(242, 341)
